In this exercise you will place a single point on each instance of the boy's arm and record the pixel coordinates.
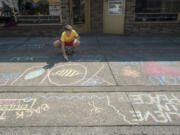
(63, 50)
(78, 37)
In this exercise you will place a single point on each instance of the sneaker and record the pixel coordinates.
(71, 52)
(68, 52)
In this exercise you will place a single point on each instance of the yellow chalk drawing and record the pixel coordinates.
(30, 112)
(95, 108)
(66, 73)
(3, 116)
(119, 112)
(131, 73)
(20, 115)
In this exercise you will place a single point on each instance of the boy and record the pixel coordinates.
(68, 38)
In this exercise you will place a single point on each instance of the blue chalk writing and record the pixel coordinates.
(164, 80)
(156, 78)
(9, 75)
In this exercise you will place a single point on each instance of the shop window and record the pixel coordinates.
(31, 11)
(157, 10)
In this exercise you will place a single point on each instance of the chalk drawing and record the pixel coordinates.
(2, 115)
(131, 73)
(22, 108)
(28, 58)
(66, 73)
(157, 73)
(93, 75)
(24, 73)
(9, 75)
(16, 104)
(156, 69)
(95, 109)
(162, 108)
(45, 77)
(164, 80)
(63, 75)
(82, 75)
(3, 82)
(93, 82)
(34, 74)
(32, 46)
(132, 63)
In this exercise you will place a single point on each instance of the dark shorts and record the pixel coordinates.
(68, 43)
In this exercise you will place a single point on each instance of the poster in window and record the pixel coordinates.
(54, 7)
(54, 10)
(115, 7)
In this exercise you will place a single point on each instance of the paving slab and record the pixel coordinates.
(159, 130)
(156, 108)
(64, 109)
(146, 73)
(89, 89)
(11, 43)
(56, 74)
(90, 109)
(133, 42)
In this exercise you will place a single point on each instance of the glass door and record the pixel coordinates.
(80, 18)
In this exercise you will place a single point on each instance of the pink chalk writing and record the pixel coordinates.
(9, 102)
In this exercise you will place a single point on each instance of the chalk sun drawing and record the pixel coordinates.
(66, 73)
(34, 74)
(80, 67)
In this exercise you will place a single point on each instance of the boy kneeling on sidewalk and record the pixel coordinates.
(68, 38)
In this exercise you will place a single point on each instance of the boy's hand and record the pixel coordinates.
(66, 57)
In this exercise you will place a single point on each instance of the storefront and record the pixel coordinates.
(47, 17)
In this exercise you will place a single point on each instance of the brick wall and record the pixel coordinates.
(131, 27)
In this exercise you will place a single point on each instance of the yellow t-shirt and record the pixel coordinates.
(65, 38)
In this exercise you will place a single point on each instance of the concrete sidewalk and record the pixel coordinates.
(124, 85)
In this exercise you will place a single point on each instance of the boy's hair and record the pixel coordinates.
(68, 27)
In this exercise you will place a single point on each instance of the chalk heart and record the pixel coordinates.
(34, 74)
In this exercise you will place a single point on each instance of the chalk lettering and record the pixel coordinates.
(20, 115)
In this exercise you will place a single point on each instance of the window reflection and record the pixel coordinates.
(78, 11)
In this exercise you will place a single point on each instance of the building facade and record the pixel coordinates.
(47, 17)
